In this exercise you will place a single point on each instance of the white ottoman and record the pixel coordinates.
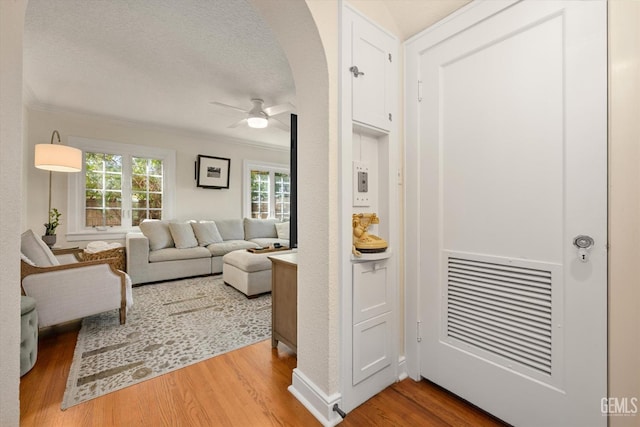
(247, 272)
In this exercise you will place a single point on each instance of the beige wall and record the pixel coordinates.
(191, 201)
(11, 28)
(624, 204)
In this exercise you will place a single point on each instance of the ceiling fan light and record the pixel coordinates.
(257, 122)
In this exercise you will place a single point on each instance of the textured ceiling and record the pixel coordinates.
(161, 62)
(156, 61)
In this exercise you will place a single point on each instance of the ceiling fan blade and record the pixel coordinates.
(274, 110)
(277, 123)
(228, 106)
(236, 124)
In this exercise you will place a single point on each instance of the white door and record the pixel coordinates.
(510, 159)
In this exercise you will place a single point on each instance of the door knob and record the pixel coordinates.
(583, 243)
(355, 71)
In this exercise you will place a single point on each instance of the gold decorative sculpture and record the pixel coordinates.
(363, 242)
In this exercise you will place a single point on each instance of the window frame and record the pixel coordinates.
(76, 230)
(272, 168)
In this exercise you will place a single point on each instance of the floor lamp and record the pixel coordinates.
(57, 158)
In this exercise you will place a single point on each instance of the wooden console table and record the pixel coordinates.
(284, 297)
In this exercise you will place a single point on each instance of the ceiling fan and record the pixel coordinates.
(258, 116)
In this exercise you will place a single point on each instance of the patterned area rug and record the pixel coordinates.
(171, 325)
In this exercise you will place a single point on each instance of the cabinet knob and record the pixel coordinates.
(355, 71)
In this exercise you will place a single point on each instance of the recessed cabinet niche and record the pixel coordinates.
(370, 333)
(373, 70)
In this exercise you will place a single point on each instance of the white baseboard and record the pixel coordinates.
(402, 368)
(315, 400)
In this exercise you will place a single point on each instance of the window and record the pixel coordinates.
(146, 189)
(120, 186)
(267, 190)
(103, 189)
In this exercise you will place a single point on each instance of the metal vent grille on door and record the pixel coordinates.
(502, 309)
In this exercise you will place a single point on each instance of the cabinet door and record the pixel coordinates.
(372, 53)
(372, 341)
(372, 291)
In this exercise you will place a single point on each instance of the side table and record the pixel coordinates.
(284, 300)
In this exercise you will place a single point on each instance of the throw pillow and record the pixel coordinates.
(282, 228)
(158, 234)
(182, 234)
(230, 229)
(259, 228)
(36, 250)
(206, 232)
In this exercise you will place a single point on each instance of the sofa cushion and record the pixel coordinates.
(220, 249)
(206, 232)
(282, 229)
(36, 250)
(266, 242)
(173, 254)
(182, 235)
(158, 233)
(255, 228)
(230, 229)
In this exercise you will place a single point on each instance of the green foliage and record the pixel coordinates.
(54, 221)
(104, 182)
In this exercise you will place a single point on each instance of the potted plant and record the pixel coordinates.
(50, 227)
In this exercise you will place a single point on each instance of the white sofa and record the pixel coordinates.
(166, 250)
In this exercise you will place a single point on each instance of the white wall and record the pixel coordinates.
(191, 201)
(313, 54)
(11, 29)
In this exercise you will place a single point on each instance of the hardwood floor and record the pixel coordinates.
(246, 387)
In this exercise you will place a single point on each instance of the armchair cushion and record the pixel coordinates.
(69, 292)
(24, 258)
(34, 249)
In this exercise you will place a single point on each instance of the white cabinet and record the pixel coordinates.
(371, 290)
(372, 321)
(370, 334)
(373, 73)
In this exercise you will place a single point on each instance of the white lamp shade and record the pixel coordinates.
(257, 122)
(58, 158)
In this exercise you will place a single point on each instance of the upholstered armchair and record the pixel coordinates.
(71, 289)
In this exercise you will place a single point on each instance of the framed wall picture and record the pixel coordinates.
(212, 172)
